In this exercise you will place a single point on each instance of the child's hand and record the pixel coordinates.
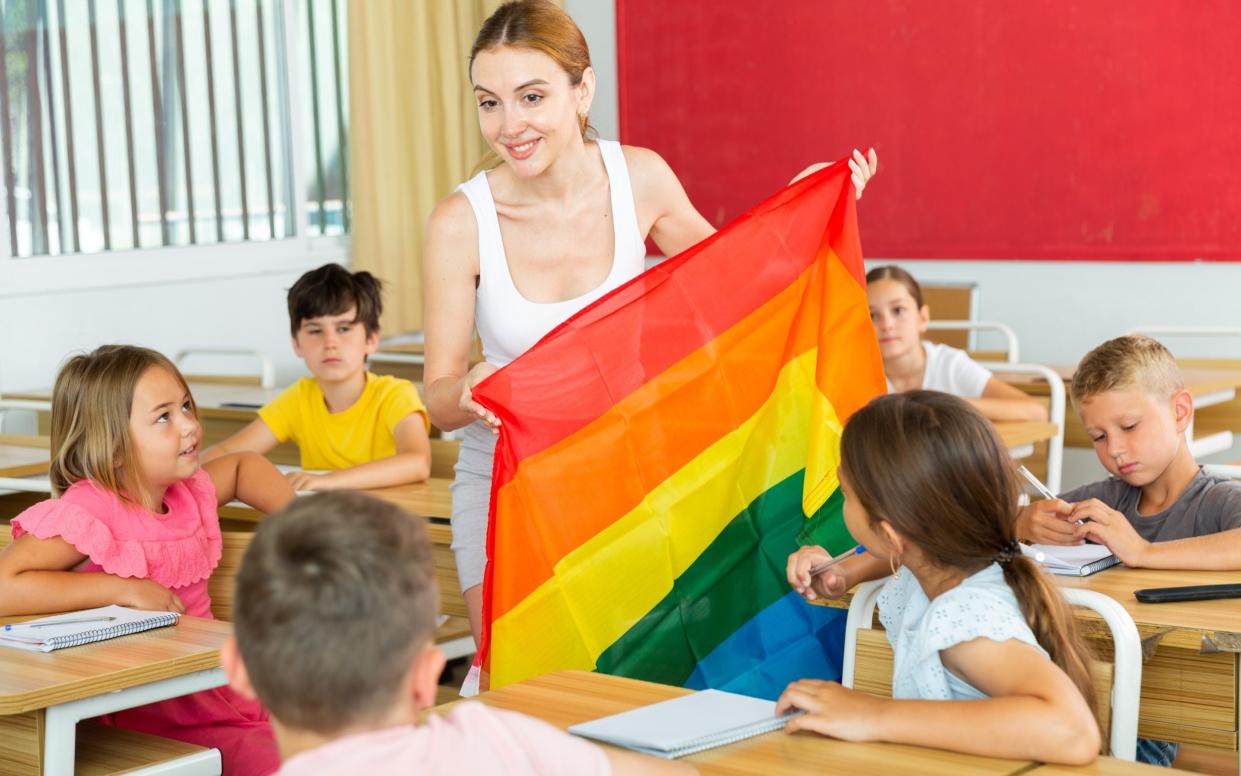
(475, 376)
(831, 710)
(150, 596)
(829, 584)
(1105, 525)
(309, 481)
(1049, 521)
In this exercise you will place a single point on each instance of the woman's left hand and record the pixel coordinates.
(864, 168)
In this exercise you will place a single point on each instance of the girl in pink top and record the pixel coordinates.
(136, 524)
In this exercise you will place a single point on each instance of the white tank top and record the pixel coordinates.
(508, 323)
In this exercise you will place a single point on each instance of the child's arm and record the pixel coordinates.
(1001, 401)
(35, 579)
(835, 582)
(251, 478)
(1034, 711)
(255, 437)
(410, 463)
(1211, 552)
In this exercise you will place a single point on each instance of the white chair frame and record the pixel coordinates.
(266, 367)
(1126, 673)
(1003, 329)
(1056, 411)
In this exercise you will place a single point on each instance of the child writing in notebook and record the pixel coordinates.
(968, 616)
(136, 523)
(900, 317)
(365, 430)
(353, 576)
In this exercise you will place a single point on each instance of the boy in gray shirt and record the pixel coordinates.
(1159, 509)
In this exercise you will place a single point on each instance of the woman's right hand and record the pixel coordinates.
(829, 584)
(475, 376)
(150, 596)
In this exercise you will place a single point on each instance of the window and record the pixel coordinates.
(155, 123)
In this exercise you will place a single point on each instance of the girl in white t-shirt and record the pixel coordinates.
(900, 317)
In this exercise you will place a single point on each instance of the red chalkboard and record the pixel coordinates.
(1006, 129)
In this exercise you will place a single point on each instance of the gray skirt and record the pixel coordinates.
(471, 499)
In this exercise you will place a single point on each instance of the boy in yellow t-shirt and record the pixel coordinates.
(367, 431)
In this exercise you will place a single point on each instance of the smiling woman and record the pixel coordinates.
(560, 220)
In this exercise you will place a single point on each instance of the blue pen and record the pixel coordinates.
(52, 624)
(841, 558)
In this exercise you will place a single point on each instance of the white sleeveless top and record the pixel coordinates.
(508, 323)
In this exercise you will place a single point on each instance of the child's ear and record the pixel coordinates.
(372, 341)
(424, 675)
(892, 537)
(924, 317)
(235, 670)
(1182, 409)
(297, 349)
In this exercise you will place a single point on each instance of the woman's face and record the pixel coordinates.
(528, 110)
(899, 322)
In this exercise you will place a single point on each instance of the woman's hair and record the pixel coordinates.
(932, 467)
(893, 272)
(91, 404)
(538, 25)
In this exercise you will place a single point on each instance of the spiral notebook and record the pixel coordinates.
(1071, 560)
(685, 725)
(84, 627)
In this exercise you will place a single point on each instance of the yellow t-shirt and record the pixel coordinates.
(358, 435)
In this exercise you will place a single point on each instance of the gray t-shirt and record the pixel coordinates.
(1210, 504)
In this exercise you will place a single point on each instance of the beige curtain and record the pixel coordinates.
(413, 133)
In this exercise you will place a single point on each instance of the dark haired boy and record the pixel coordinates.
(354, 429)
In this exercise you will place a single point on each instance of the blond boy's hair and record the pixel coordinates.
(91, 403)
(1132, 361)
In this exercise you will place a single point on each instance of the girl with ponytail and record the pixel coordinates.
(932, 494)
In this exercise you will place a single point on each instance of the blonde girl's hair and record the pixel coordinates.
(932, 466)
(542, 26)
(91, 404)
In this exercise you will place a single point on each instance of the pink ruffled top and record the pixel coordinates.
(179, 549)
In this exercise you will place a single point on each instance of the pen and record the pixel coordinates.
(76, 621)
(1039, 486)
(841, 558)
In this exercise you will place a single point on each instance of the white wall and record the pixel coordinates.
(38, 329)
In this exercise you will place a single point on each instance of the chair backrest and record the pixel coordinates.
(868, 661)
(223, 581)
(264, 377)
(22, 415)
(1056, 409)
(1012, 352)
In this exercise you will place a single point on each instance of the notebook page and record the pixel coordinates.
(1068, 557)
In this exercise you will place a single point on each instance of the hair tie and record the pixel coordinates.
(1008, 552)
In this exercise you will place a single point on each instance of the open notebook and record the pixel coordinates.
(74, 628)
(1073, 560)
(685, 725)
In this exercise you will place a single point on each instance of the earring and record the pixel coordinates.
(894, 564)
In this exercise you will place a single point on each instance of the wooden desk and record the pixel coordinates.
(24, 456)
(568, 697)
(1191, 650)
(1104, 766)
(44, 695)
(1020, 436)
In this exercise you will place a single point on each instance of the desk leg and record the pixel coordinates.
(60, 730)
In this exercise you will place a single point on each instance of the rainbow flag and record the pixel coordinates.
(663, 451)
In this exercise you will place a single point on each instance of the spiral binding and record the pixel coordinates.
(111, 632)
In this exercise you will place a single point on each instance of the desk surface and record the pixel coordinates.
(36, 680)
(1015, 433)
(1219, 617)
(430, 498)
(1104, 766)
(24, 456)
(208, 395)
(569, 697)
(1198, 379)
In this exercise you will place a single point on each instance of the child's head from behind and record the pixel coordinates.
(334, 318)
(335, 613)
(897, 310)
(123, 417)
(932, 468)
(926, 479)
(1134, 406)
